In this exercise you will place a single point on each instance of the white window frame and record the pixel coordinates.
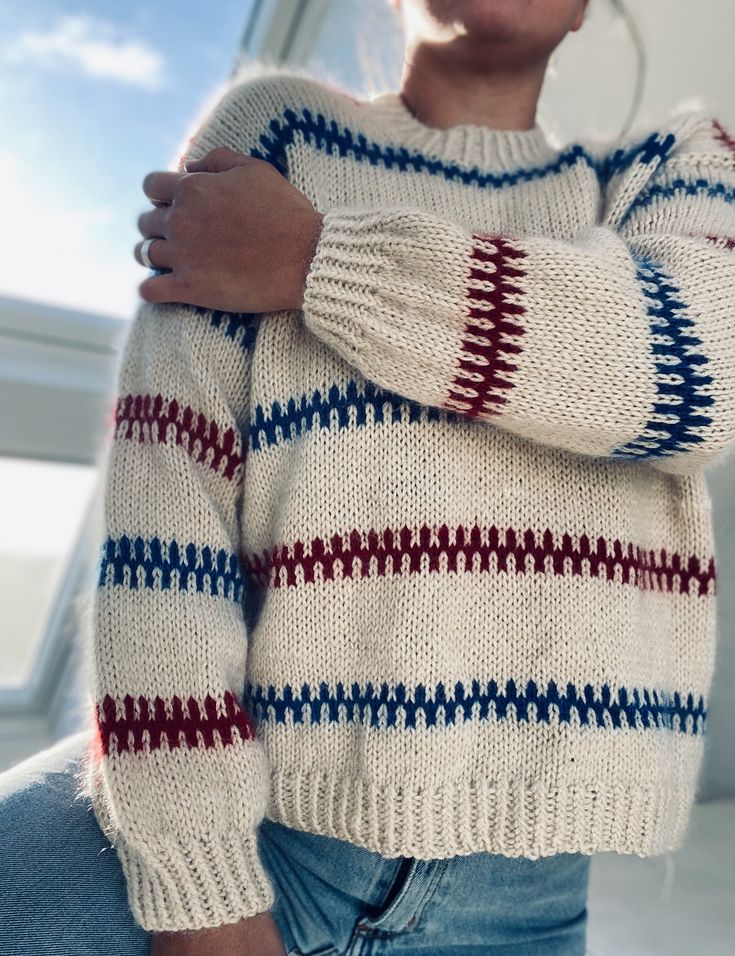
(58, 367)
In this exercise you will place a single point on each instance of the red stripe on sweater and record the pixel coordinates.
(490, 330)
(723, 136)
(727, 242)
(388, 552)
(161, 421)
(148, 725)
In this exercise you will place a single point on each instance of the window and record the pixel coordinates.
(101, 95)
(41, 510)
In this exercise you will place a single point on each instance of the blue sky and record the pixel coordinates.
(92, 97)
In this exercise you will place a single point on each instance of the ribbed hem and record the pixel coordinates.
(206, 883)
(461, 818)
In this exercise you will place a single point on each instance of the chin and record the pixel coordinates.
(496, 18)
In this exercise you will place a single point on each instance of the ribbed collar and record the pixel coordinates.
(466, 143)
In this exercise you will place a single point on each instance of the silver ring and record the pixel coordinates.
(144, 252)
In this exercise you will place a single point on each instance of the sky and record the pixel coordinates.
(94, 95)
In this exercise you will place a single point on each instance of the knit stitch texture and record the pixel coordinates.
(429, 564)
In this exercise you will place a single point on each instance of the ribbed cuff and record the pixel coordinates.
(343, 281)
(205, 883)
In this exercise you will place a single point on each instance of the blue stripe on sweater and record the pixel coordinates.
(335, 139)
(653, 147)
(240, 327)
(680, 187)
(680, 402)
(340, 408)
(167, 565)
(380, 706)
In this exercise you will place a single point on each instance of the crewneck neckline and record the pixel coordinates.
(467, 143)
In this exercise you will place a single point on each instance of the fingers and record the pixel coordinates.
(218, 160)
(161, 185)
(159, 252)
(165, 288)
(154, 222)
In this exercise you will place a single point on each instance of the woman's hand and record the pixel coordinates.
(236, 234)
(256, 936)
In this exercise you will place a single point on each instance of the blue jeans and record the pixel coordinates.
(63, 892)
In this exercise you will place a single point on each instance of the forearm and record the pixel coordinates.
(568, 343)
(170, 640)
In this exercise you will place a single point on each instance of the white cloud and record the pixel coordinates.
(96, 48)
(52, 250)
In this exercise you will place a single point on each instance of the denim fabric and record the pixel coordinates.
(63, 892)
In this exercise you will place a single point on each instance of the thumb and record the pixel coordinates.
(217, 160)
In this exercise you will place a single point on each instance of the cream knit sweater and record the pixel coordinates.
(427, 565)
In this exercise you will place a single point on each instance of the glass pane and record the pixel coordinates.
(92, 97)
(41, 509)
(360, 46)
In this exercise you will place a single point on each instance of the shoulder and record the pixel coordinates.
(699, 161)
(701, 140)
(256, 90)
(273, 88)
(284, 92)
(669, 170)
(263, 107)
(693, 135)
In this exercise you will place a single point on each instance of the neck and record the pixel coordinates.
(443, 93)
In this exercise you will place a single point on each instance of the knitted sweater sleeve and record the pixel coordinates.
(619, 342)
(178, 779)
